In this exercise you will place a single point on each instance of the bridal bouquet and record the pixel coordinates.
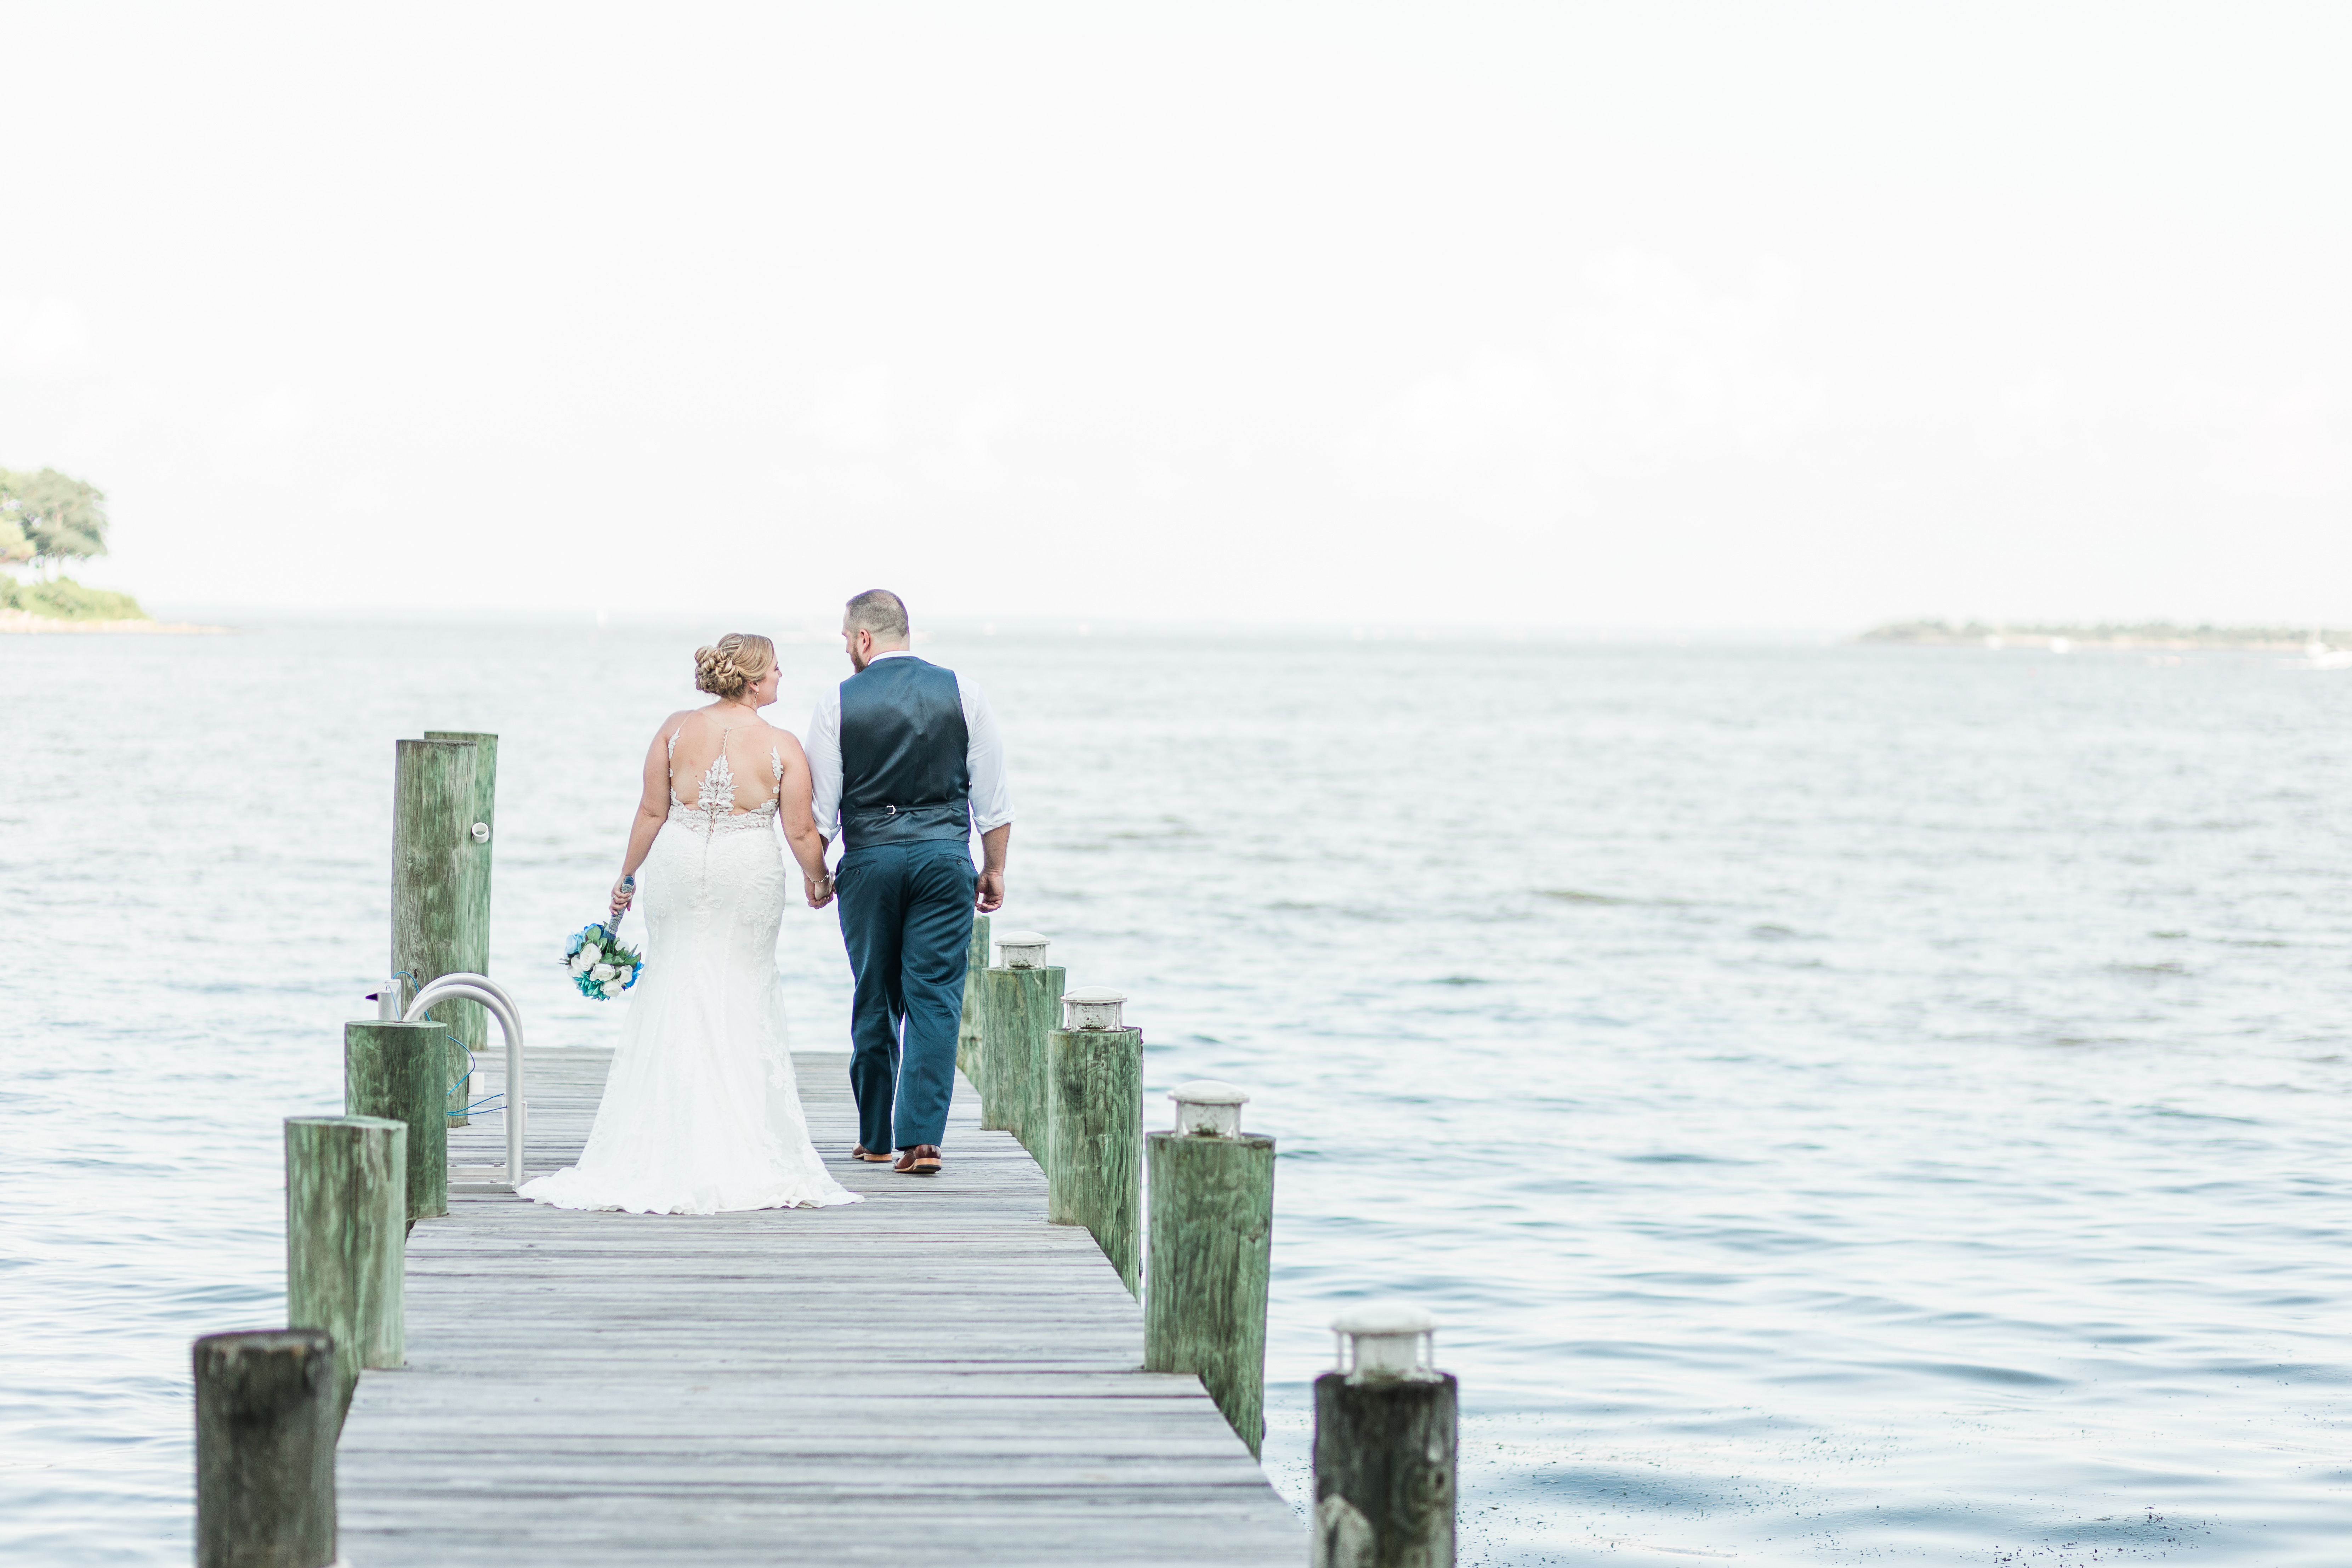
(600, 965)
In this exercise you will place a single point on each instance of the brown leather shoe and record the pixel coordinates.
(863, 1153)
(922, 1160)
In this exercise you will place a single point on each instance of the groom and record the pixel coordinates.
(905, 763)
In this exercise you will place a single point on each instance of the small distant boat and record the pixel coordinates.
(2319, 655)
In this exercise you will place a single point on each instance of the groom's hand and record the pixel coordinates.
(993, 844)
(819, 894)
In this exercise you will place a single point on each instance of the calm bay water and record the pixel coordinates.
(1846, 1104)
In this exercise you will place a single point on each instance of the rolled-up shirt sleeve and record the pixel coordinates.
(823, 744)
(992, 802)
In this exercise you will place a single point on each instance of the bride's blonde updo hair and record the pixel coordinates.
(729, 667)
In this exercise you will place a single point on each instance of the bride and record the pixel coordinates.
(700, 1114)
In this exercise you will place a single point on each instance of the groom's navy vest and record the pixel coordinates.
(905, 777)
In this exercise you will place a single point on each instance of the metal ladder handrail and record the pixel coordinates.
(493, 997)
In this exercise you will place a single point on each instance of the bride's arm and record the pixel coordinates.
(795, 812)
(653, 810)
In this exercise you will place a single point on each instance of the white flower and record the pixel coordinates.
(602, 972)
(581, 964)
(592, 954)
(625, 976)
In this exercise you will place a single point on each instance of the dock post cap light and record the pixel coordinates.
(1092, 1007)
(1208, 1109)
(1387, 1340)
(1022, 949)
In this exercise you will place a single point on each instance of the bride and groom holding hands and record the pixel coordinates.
(902, 761)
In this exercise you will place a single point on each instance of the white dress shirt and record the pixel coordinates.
(983, 757)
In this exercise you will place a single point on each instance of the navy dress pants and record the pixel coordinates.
(906, 918)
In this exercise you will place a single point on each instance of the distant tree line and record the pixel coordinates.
(2110, 634)
(49, 517)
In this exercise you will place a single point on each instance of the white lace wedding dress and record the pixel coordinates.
(700, 1113)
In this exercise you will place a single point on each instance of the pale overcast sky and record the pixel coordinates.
(1663, 315)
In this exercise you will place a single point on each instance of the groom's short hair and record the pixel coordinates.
(879, 611)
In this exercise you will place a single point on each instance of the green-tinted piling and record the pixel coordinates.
(431, 837)
(1385, 1426)
(395, 1070)
(346, 1223)
(470, 1021)
(1211, 1219)
(1023, 1004)
(265, 1424)
(973, 1026)
(1093, 1128)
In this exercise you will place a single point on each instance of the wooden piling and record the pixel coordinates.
(1022, 1005)
(432, 837)
(1385, 1449)
(395, 1070)
(346, 1219)
(469, 1021)
(997, 1105)
(995, 1088)
(1210, 1249)
(1384, 1475)
(972, 1027)
(266, 1426)
(1094, 1122)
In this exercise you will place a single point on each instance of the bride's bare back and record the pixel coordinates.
(724, 764)
(709, 756)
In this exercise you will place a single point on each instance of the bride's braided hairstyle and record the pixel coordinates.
(727, 667)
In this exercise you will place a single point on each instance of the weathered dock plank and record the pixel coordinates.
(933, 1375)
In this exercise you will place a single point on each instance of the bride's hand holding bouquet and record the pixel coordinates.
(598, 963)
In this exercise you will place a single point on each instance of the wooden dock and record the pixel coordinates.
(933, 1376)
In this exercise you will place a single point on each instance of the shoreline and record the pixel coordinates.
(2154, 636)
(26, 622)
